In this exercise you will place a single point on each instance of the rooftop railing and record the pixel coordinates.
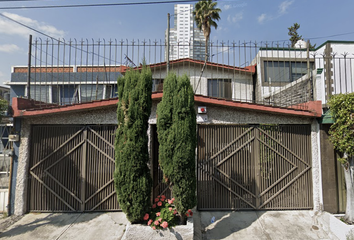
(71, 71)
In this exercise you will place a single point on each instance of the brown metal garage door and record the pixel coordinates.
(71, 168)
(254, 167)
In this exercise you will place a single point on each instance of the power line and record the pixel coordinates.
(17, 0)
(44, 34)
(24, 25)
(98, 5)
(335, 35)
(138, 3)
(313, 38)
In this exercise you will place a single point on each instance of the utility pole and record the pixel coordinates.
(29, 68)
(308, 57)
(168, 43)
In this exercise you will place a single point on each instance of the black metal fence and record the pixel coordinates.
(69, 72)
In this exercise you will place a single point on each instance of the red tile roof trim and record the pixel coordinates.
(250, 69)
(309, 109)
(22, 107)
(28, 108)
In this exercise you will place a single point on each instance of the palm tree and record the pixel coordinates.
(205, 14)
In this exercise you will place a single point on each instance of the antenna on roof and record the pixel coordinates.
(129, 60)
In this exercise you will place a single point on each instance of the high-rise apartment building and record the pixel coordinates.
(186, 40)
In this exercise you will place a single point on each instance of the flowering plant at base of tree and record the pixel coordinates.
(163, 214)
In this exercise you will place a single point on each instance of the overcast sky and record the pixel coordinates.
(241, 20)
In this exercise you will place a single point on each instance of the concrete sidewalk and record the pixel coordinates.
(259, 225)
(114, 225)
(67, 226)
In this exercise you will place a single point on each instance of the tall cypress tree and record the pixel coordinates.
(164, 126)
(176, 126)
(132, 176)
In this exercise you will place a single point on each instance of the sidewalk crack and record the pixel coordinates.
(68, 227)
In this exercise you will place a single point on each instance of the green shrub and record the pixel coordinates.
(132, 176)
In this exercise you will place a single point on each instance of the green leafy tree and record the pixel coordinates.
(132, 176)
(205, 15)
(4, 105)
(342, 137)
(294, 36)
(176, 127)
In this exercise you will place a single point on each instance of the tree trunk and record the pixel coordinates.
(183, 219)
(206, 48)
(349, 181)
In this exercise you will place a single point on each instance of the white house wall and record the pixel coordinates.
(341, 68)
(264, 90)
(241, 82)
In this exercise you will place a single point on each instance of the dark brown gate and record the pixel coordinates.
(71, 168)
(254, 167)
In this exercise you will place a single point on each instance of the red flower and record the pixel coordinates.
(170, 209)
(149, 222)
(146, 217)
(160, 219)
(170, 201)
(173, 199)
(154, 227)
(175, 212)
(159, 204)
(158, 214)
(187, 214)
(164, 224)
(190, 212)
(163, 197)
(154, 206)
(157, 223)
(156, 199)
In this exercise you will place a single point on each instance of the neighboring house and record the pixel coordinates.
(335, 59)
(66, 85)
(291, 76)
(299, 74)
(281, 77)
(5, 151)
(335, 64)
